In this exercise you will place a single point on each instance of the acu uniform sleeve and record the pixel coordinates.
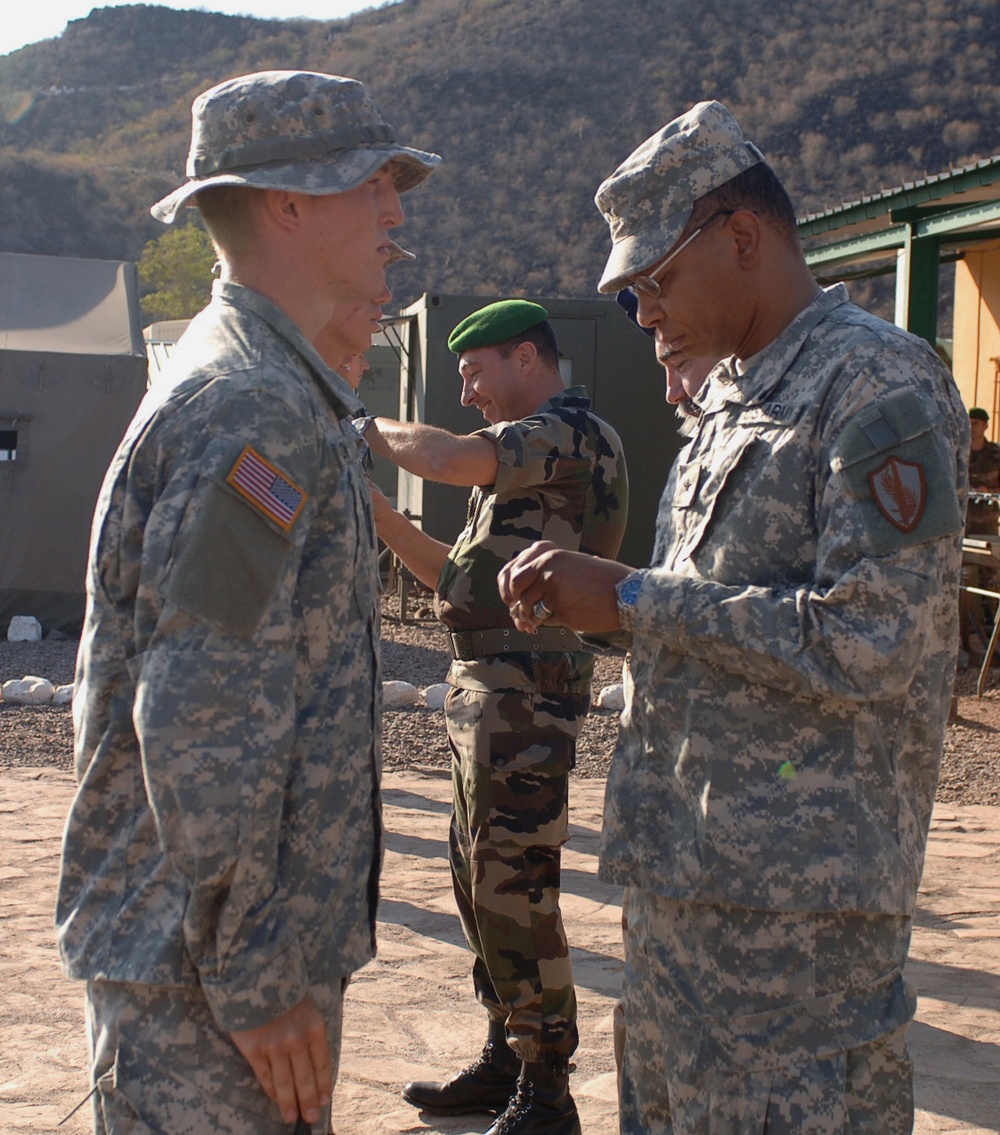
(894, 467)
(215, 707)
(229, 566)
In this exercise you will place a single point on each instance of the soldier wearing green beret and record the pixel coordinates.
(984, 476)
(545, 468)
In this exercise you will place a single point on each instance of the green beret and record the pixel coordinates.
(495, 323)
(976, 414)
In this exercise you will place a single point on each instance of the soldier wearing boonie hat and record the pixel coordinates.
(296, 130)
(546, 468)
(221, 857)
(769, 798)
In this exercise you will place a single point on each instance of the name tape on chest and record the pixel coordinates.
(269, 491)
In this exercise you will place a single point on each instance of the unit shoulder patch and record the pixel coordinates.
(893, 461)
(899, 489)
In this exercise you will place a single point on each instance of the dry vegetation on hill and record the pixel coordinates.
(531, 103)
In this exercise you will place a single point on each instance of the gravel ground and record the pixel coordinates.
(414, 652)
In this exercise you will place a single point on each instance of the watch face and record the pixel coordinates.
(628, 591)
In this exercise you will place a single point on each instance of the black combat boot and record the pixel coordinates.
(486, 1085)
(541, 1105)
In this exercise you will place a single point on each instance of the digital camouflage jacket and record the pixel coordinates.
(226, 828)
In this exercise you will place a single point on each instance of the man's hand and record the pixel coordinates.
(290, 1057)
(577, 590)
(380, 505)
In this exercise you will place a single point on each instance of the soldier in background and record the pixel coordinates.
(221, 857)
(344, 341)
(984, 475)
(792, 662)
(684, 380)
(546, 466)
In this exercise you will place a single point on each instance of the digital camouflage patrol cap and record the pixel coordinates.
(648, 199)
(296, 130)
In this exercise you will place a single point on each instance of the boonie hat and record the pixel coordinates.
(296, 130)
(978, 414)
(495, 323)
(648, 199)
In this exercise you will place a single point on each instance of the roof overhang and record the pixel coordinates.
(959, 208)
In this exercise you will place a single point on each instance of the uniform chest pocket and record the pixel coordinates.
(704, 500)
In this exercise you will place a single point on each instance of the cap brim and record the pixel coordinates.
(336, 174)
(630, 255)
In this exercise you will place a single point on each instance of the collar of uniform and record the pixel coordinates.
(754, 380)
(334, 389)
(572, 396)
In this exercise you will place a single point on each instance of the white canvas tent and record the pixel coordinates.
(72, 372)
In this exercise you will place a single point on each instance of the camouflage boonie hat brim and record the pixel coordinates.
(297, 130)
(648, 199)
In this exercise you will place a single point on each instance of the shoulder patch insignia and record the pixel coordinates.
(899, 489)
(266, 489)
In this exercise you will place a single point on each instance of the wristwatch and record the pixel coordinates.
(362, 423)
(628, 596)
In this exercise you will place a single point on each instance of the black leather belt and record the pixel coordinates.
(503, 640)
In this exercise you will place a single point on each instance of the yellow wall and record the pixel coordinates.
(977, 330)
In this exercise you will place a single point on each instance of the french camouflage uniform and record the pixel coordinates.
(514, 715)
(221, 855)
(984, 465)
(792, 660)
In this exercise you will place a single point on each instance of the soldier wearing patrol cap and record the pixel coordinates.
(220, 863)
(546, 468)
(792, 659)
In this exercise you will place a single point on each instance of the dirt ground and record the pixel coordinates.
(414, 651)
(410, 1013)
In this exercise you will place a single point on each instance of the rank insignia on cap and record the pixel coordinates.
(900, 491)
(266, 489)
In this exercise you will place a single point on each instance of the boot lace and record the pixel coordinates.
(484, 1060)
(518, 1108)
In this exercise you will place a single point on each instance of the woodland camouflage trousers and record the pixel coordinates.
(512, 753)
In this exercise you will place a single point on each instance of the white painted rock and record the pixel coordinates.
(612, 697)
(63, 695)
(24, 628)
(398, 695)
(28, 691)
(434, 695)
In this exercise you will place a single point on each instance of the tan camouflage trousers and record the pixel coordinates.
(757, 1023)
(512, 753)
(161, 1066)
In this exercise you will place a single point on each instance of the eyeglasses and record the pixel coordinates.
(646, 284)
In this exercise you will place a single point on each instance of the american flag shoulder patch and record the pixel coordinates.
(257, 480)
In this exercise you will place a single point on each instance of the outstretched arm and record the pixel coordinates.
(434, 454)
(422, 554)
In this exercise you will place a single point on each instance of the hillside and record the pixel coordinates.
(531, 102)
